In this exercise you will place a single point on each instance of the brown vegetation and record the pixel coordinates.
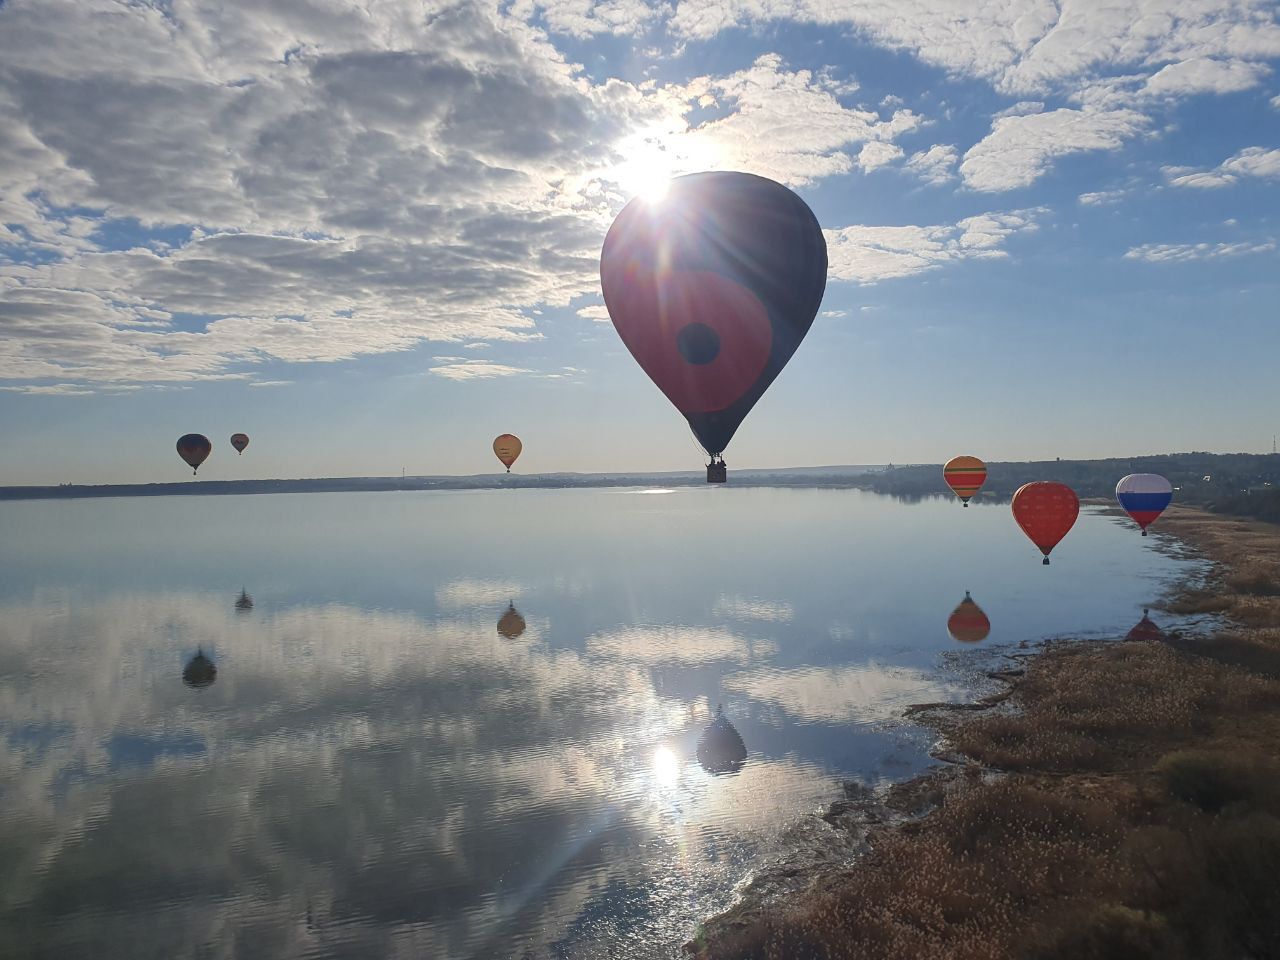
(1123, 801)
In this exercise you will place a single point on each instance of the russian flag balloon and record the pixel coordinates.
(1144, 497)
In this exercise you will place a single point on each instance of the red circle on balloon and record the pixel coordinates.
(1046, 512)
(659, 313)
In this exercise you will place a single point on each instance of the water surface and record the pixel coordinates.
(462, 724)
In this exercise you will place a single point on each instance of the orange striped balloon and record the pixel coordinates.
(965, 475)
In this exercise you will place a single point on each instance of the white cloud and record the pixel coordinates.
(596, 312)
(753, 608)
(1020, 109)
(1101, 198)
(1019, 150)
(1259, 162)
(664, 644)
(878, 154)
(51, 389)
(476, 370)
(869, 254)
(851, 694)
(1184, 252)
(935, 165)
(1202, 75)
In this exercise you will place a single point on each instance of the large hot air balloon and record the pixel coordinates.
(712, 289)
(967, 623)
(194, 448)
(720, 748)
(511, 624)
(507, 447)
(240, 441)
(1045, 511)
(1144, 497)
(965, 476)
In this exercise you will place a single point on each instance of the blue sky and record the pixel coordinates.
(369, 238)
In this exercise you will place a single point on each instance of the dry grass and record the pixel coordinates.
(1138, 815)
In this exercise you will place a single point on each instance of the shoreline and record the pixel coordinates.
(1114, 797)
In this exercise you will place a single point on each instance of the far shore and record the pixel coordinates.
(1114, 799)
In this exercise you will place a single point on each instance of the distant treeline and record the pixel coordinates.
(1240, 483)
(1201, 478)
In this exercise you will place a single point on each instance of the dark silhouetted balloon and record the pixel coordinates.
(1144, 497)
(244, 601)
(1046, 512)
(240, 441)
(199, 671)
(720, 748)
(712, 289)
(1145, 630)
(967, 623)
(511, 625)
(507, 448)
(965, 476)
(194, 448)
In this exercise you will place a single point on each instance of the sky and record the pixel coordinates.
(368, 235)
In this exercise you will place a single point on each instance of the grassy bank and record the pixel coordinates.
(1118, 800)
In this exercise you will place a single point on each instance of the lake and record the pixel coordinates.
(464, 724)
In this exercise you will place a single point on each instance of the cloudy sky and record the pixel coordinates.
(368, 234)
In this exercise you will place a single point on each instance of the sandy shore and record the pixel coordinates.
(1112, 799)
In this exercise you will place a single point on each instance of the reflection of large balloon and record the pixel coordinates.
(1145, 630)
(511, 624)
(240, 441)
(967, 623)
(1144, 497)
(1045, 511)
(199, 671)
(507, 447)
(965, 475)
(244, 601)
(194, 448)
(712, 289)
(720, 748)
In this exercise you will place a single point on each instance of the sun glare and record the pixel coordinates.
(666, 766)
(650, 158)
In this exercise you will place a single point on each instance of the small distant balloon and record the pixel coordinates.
(194, 448)
(240, 441)
(1145, 630)
(1144, 497)
(507, 448)
(1046, 511)
(511, 625)
(711, 290)
(965, 476)
(244, 601)
(967, 623)
(199, 671)
(720, 748)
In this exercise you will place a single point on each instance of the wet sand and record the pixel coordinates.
(1111, 799)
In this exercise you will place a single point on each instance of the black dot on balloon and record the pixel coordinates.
(698, 343)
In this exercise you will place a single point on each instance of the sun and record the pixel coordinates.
(666, 766)
(652, 157)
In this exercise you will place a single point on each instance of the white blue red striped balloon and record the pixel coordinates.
(1144, 497)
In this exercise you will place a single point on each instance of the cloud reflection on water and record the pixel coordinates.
(356, 782)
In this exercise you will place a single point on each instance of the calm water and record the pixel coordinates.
(377, 770)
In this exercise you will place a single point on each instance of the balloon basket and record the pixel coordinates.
(717, 472)
(1045, 561)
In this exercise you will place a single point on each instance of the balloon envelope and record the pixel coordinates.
(1045, 511)
(720, 748)
(239, 441)
(965, 476)
(1144, 497)
(194, 448)
(712, 289)
(199, 671)
(967, 623)
(507, 447)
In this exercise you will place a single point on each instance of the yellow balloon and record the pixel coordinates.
(507, 447)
